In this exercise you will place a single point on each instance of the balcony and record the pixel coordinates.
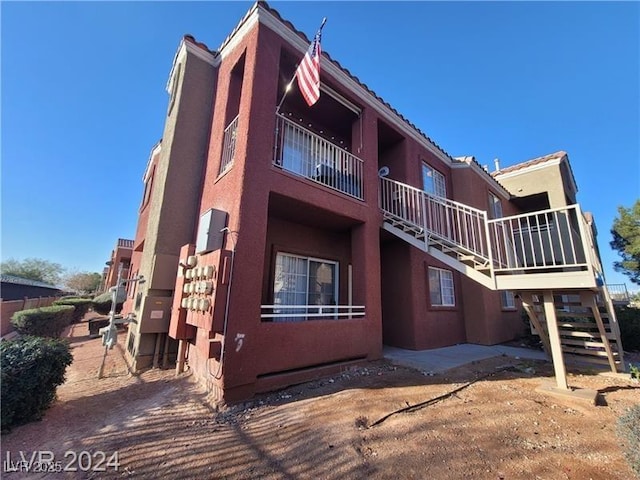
(619, 293)
(551, 248)
(304, 153)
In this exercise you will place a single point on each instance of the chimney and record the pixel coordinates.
(497, 164)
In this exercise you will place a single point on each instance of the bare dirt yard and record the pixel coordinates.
(498, 427)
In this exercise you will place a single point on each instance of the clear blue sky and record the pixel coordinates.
(84, 100)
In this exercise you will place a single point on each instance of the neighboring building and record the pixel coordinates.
(18, 288)
(280, 245)
(120, 257)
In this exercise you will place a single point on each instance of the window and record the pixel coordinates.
(508, 299)
(433, 181)
(441, 287)
(495, 207)
(303, 282)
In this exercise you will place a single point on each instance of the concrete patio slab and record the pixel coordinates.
(442, 359)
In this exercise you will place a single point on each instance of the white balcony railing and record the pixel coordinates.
(297, 313)
(444, 221)
(229, 145)
(545, 240)
(304, 153)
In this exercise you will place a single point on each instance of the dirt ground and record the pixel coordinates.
(161, 426)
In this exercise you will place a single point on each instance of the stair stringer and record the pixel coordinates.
(577, 344)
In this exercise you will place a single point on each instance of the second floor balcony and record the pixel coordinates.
(304, 153)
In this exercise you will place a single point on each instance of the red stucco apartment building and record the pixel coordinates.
(283, 244)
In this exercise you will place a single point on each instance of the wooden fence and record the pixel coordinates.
(9, 307)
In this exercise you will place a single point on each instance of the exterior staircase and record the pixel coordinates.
(587, 326)
(549, 257)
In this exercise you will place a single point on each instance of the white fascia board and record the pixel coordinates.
(155, 150)
(270, 21)
(530, 168)
(232, 41)
(496, 187)
(188, 47)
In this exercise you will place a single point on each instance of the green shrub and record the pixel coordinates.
(102, 303)
(629, 431)
(43, 321)
(629, 321)
(82, 306)
(32, 368)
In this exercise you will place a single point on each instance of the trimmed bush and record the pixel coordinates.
(629, 431)
(102, 303)
(629, 321)
(43, 321)
(32, 368)
(82, 306)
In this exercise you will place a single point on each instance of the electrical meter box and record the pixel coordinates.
(210, 237)
(156, 314)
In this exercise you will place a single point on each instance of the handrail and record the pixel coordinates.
(552, 238)
(443, 220)
(618, 292)
(543, 241)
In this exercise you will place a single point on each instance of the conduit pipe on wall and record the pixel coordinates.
(218, 375)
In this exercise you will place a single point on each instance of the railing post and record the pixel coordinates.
(487, 234)
(587, 244)
(424, 222)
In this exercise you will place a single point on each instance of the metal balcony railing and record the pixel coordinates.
(297, 313)
(543, 240)
(547, 241)
(229, 145)
(618, 292)
(304, 153)
(444, 221)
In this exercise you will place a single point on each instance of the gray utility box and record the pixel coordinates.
(210, 237)
(156, 314)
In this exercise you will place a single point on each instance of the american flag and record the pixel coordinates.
(308, 72)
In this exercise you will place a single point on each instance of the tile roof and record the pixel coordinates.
(529, 163)
(189, 38)
(291, 26)
(6, 278)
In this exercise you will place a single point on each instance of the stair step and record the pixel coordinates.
(583, 351)
(574, 333)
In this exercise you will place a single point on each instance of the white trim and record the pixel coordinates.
(197, 51)
(181, 53)
(157, 148)
(270, 21)
(234, 39)
(529, 168)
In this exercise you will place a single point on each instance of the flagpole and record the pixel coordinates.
(295, 70)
